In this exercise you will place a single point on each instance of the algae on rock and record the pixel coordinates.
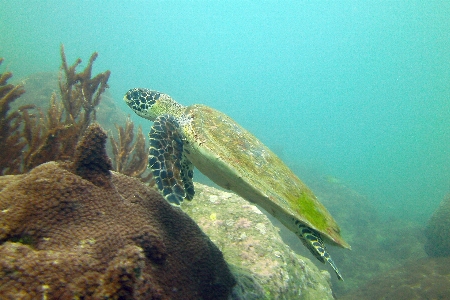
(264, 266)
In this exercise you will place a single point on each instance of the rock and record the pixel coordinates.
(79, 231)
(264, 266)
(438, 231)
(427, 278)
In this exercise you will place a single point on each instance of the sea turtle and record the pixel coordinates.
(183, 137)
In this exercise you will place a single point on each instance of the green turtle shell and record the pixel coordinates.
(236, 160)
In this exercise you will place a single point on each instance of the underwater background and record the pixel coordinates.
(350, 93)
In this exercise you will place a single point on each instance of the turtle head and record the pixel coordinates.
(150, 104)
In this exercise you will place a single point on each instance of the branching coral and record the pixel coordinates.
(48, 136)
(31, 137)
(79, 90)
(11, 141)
(58, 133)
(130, 158)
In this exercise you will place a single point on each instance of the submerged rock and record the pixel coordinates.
(264, 266)
(378, 244)
(438, 231)
(79, 231)
(427, 278)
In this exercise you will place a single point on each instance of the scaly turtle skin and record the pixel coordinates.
(182, 137)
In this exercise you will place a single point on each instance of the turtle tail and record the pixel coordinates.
(312, 240)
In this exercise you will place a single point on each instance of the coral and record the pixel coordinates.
(426, 278)
(31, 137)
(34, 134)
(130, 158)
(437, 231)
(90, 160)
(75, 230)
(11, 142)
(55, 137)
(80, 90)
(47, 135)
(264, 266)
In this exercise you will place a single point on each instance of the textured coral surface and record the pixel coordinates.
(77, 230)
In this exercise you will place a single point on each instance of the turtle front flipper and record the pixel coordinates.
(316, 246)
(170, 167)
(187, 173)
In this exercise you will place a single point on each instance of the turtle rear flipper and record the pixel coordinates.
(170, 167)
(316, 246)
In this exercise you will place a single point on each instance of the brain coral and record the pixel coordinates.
(438, 231)
(79, 231)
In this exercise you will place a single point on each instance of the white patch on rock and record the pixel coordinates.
(261, 228)
(214, 198)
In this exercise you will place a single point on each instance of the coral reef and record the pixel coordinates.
(55, 136)
(40, 87)
(426, 278)
(11, 142)
(80, 90)
(90, 160)
(130, 158)
(49, 130)
(34, 137)
(264, 266)
(438, 230)
(75, 230)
